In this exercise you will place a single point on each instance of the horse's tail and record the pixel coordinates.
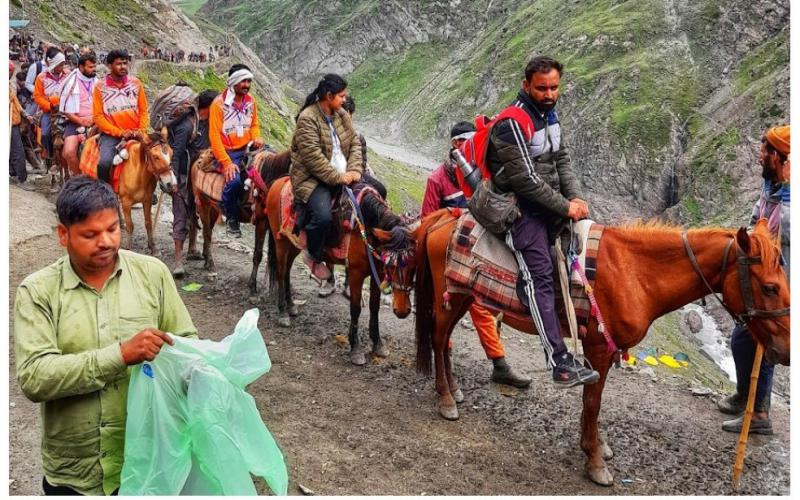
(425, 322)
(272, 261)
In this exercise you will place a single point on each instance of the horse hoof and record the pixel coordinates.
(284, 321)
(449, 412)
(458, 395)
(358, 358)
(253, 299)
(293, 310)
(379, 349)
(194, 256)
(601, 476)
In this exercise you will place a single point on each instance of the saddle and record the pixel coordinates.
(292, 215)
(90, 157)
(211, 183)
(480, 264)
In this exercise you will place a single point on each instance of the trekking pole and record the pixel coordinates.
(748, 414)
(158, 209)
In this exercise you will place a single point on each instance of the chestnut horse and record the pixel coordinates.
(643, 272)
(391, 246)
(148, 164)
(271, 166)
(57, 125)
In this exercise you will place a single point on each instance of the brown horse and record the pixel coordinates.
(271, 166)
(148, 164)
(390, 245)
(61, 175)
(643, 272)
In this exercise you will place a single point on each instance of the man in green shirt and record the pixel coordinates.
(78, 325)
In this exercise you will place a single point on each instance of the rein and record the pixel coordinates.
(744, 262)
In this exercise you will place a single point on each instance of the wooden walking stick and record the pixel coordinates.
(748, 414)
(158, 209)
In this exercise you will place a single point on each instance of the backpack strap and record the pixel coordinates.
(520, 116)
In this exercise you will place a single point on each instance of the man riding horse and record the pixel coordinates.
(120, 110)
(540, 174)
(46, 95)
(233, 124)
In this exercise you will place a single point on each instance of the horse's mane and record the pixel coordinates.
(763, 242)
(276, 166)
(377, 214)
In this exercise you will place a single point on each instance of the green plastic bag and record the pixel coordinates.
(192, 429)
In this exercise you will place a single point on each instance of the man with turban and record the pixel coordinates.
(232, 125)
(773, 205)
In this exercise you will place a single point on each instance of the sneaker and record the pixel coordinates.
(232, 227)
(568, 373)
(732, 404)
(760, 426)
(178, 272)
(326, 288)
(319, 271)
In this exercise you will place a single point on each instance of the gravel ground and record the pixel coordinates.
(374, 430)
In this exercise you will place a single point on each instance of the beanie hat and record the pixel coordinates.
(462, 130)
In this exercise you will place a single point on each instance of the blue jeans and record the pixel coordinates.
(743, 348)
(47, 141)
(233, 189)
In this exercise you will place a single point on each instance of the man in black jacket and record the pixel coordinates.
(188, 136)
(539, 172)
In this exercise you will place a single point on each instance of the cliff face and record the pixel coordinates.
(663, 101)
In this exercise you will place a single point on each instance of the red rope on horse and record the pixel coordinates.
(612, 346)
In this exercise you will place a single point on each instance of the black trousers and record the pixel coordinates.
(16, 159)
(51, 490)
(318, 220)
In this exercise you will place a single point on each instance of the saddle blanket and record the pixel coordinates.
(90, 157)
(481, 264)
(288, 221)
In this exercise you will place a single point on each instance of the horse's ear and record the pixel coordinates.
(743, 240)
(164, 134)
(383, 236)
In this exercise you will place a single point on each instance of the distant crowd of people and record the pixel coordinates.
(180, 55)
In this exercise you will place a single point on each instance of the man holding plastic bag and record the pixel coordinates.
(78, 325)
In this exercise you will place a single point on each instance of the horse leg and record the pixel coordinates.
(208, 217)
(148, 226)
(258, 253)
(378, 346)
(128, 237)
(591, 442)
(355, 281)
(445, 322)
(292, 308)
(282, 276)
(455, 388)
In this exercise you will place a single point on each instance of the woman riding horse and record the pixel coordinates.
(326, 154)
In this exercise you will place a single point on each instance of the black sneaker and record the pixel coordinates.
(569, 373)
(233, 228)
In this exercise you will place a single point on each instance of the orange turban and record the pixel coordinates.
(778, 138)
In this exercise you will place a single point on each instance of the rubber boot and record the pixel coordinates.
(503, 374)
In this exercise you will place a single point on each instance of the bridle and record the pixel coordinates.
(148, 162)
(744, 263)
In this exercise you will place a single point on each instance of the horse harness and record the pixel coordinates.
(744, 262)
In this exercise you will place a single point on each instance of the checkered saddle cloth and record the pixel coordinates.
(481, 264)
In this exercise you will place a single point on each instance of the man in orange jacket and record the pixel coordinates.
(232, 125)
(119, 109)
(442, 191)
(46, 93)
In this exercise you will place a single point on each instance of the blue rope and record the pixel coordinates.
(362, 227)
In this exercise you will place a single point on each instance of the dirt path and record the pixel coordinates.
(374, 429)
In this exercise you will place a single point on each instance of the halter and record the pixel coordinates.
(147, 161)
(745, 286)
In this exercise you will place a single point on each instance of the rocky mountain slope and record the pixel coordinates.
(663, 101)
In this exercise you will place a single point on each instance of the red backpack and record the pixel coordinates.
(476, 148)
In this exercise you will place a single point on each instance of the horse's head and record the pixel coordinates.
(157, 159)
(757, 290)
(396, 248)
